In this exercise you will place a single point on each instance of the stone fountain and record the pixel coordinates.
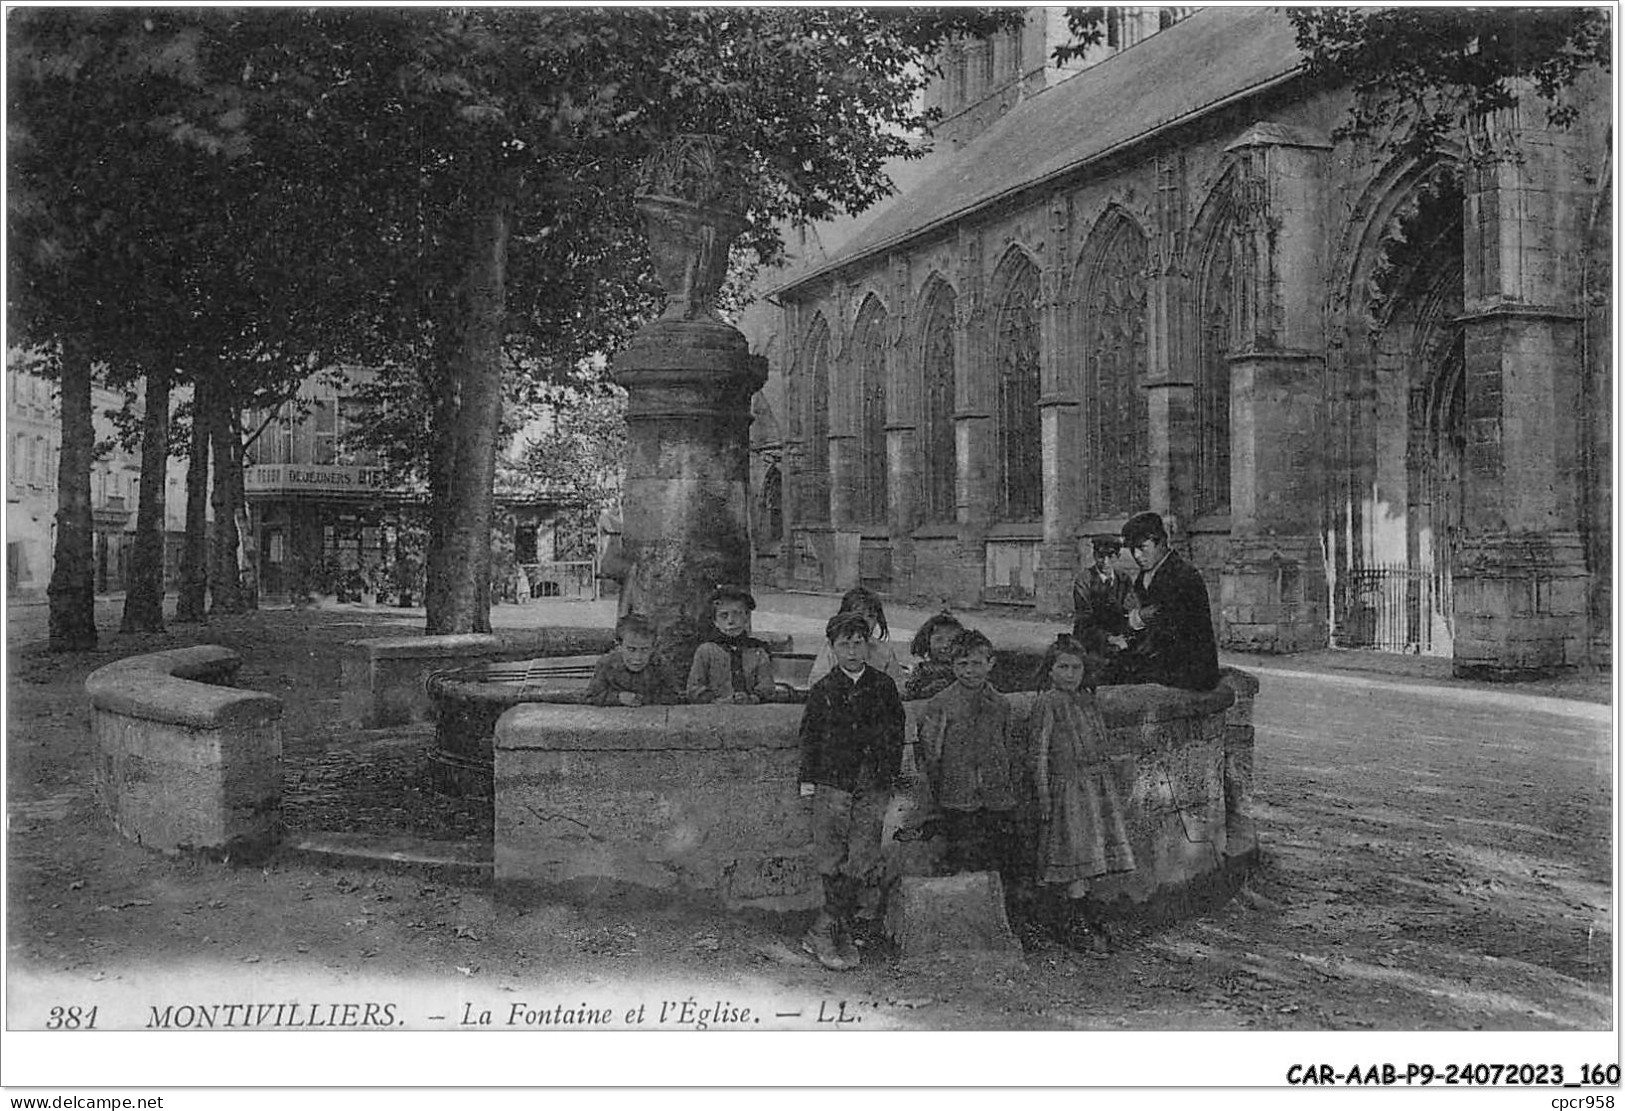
(689, 378)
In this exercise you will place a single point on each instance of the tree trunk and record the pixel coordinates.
(189, 606)
(227, 590)
(144, 592)
(465, 440)
(72, 589)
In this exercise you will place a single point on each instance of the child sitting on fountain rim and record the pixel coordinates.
(730, 665)
(628, 674)
(851, 764)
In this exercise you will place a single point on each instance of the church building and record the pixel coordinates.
(1369, 390)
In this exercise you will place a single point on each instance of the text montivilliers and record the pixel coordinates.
(266, 1016)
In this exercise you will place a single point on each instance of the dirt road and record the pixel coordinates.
(1438, 858)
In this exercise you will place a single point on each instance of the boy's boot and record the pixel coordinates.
(820, 940)
(845, 945)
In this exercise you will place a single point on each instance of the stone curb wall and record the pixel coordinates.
(703, 800)
(382, 678)
(187, 761)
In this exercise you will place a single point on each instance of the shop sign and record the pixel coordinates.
(264, 478)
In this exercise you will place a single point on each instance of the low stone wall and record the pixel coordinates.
(383, 678)
(703, 800)
(187, 761)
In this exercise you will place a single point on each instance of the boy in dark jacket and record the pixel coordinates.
(1170, 624)
(851, 762)
(628, 674)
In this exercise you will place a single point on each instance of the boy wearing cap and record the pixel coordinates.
(1099, 601)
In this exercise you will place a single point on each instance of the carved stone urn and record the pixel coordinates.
(690, 199)
(689, 378)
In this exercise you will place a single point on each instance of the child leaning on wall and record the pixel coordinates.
(730, 665)
(882, 656)
(629, 674)
(933, 671)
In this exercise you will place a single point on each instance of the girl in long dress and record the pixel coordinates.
(1082, 832)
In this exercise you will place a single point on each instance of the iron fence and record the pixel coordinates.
(1392, 608)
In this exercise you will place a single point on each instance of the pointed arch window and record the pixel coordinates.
(1117, 470)
(814, 485)
(869, 495)
(1018, 428)
(1217, 306)
(937, 443)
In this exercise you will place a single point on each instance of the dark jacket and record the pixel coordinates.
(1098, 609)
(610, 678)
(1176, 648)
(852, 730)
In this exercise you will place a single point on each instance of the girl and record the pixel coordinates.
(1081, 817)
(882, 656)
(934, 670)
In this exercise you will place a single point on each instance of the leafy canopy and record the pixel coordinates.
(1431, 63)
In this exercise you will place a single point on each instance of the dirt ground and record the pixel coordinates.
(1405, 886)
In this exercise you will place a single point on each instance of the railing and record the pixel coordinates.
(1393, 608)
(576, 579)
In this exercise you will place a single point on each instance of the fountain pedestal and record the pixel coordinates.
(686, 507)
(689, 379)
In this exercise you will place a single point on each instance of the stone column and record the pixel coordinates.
(1060, 421)
(1520, 571)
(689, 379)
(902, 450)
(973, 413)
(1170, 388)
(1273, 588)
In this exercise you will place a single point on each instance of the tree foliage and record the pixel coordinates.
(1426, 65)
(580, 456)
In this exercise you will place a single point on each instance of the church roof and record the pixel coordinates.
(1215, 55)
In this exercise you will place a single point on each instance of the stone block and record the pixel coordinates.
(185, 762)
(382, 678)
(697, 801)
(957, 919)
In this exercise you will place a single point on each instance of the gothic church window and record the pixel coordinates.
(1116, 471)
(814, 500)
(1016, 348)
(869, 472)
(937, 413)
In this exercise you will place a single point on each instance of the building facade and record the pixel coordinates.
(33, 456)
(327, 518)
(1369, 390)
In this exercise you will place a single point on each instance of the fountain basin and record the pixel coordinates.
(702, 801)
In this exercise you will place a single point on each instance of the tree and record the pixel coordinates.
(582, 454)
(151, 233)
(1429, 64)
(434, 188)
(813, 103)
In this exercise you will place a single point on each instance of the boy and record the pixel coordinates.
(730, 665)
(1170, 623)
(628, 674)
(1099, 601)
(966, 742)
(851, 763)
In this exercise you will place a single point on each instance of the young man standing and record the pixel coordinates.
(1171, 627)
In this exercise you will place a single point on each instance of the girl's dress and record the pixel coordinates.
(1084, 835)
